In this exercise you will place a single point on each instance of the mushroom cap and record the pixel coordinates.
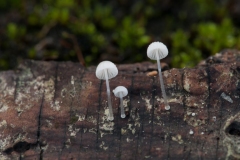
(119, 89)
(111, 68)
(157, 47)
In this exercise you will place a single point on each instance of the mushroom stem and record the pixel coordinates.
(110, 116)
(121, 105)
(167, 107)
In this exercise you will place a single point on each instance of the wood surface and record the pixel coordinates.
(58, 110)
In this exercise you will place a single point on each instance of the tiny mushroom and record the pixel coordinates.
(157, 51)
(107, 70)
(121, 92)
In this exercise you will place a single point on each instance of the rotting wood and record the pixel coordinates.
(51, 110)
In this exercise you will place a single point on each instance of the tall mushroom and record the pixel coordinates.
(121, 92)
(157, 51)
(107, 70)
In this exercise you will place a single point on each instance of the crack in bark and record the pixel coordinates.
(120, 146)
(64, 139)
(184, 92)
(203, 144)
(169, 145)
(169, 137)
(81, 126)
(16, 88)
(55, 81)
(220, 125)
(82, 132)
(39, 119)
(198, 143)
(152, 112)
(209, 92)
(39, 128)
(141, 127)
(41, 154)
(71, 116)
(98, 115)
(137, 145)
(130, 108)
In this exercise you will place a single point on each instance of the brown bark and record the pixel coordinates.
(51, 110)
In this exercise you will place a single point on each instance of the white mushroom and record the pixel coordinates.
(121, 92)
(157, 51)
(107, 70)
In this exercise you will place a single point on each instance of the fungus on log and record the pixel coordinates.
(57, 110)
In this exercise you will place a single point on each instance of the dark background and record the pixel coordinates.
(116, 30)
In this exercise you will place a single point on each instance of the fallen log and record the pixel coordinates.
(58, 110)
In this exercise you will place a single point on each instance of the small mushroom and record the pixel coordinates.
(107, 70)
(157, 51)
(121, 92)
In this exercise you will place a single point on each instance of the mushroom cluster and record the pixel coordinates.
(107, 70)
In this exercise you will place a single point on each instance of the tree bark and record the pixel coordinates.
(58, 110)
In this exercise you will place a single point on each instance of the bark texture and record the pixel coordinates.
(51, 110)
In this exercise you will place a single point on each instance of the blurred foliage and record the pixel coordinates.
(208, 37)
(119, 30)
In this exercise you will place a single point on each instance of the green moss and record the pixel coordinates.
(187, 50)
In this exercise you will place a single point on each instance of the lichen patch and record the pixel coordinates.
(147, 102)
(102, 145)
(73, 131)
(126, 103)
(9, 91)
(3, 84)
(3, 124)
(31, 91)
(123, 131)
(72, 92)
(72, 80)
(55, 106)
(92, 120)
(186, 86)
(49, 123)
(177, 138)
(63, 92)
(193, 120)
(4, 142)
(129, 140)
(3, 107)
(85, 84)
(131, 128)
(93, 130)
(107, 126)
(49, 90)
(81, 117)
(3, 157)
